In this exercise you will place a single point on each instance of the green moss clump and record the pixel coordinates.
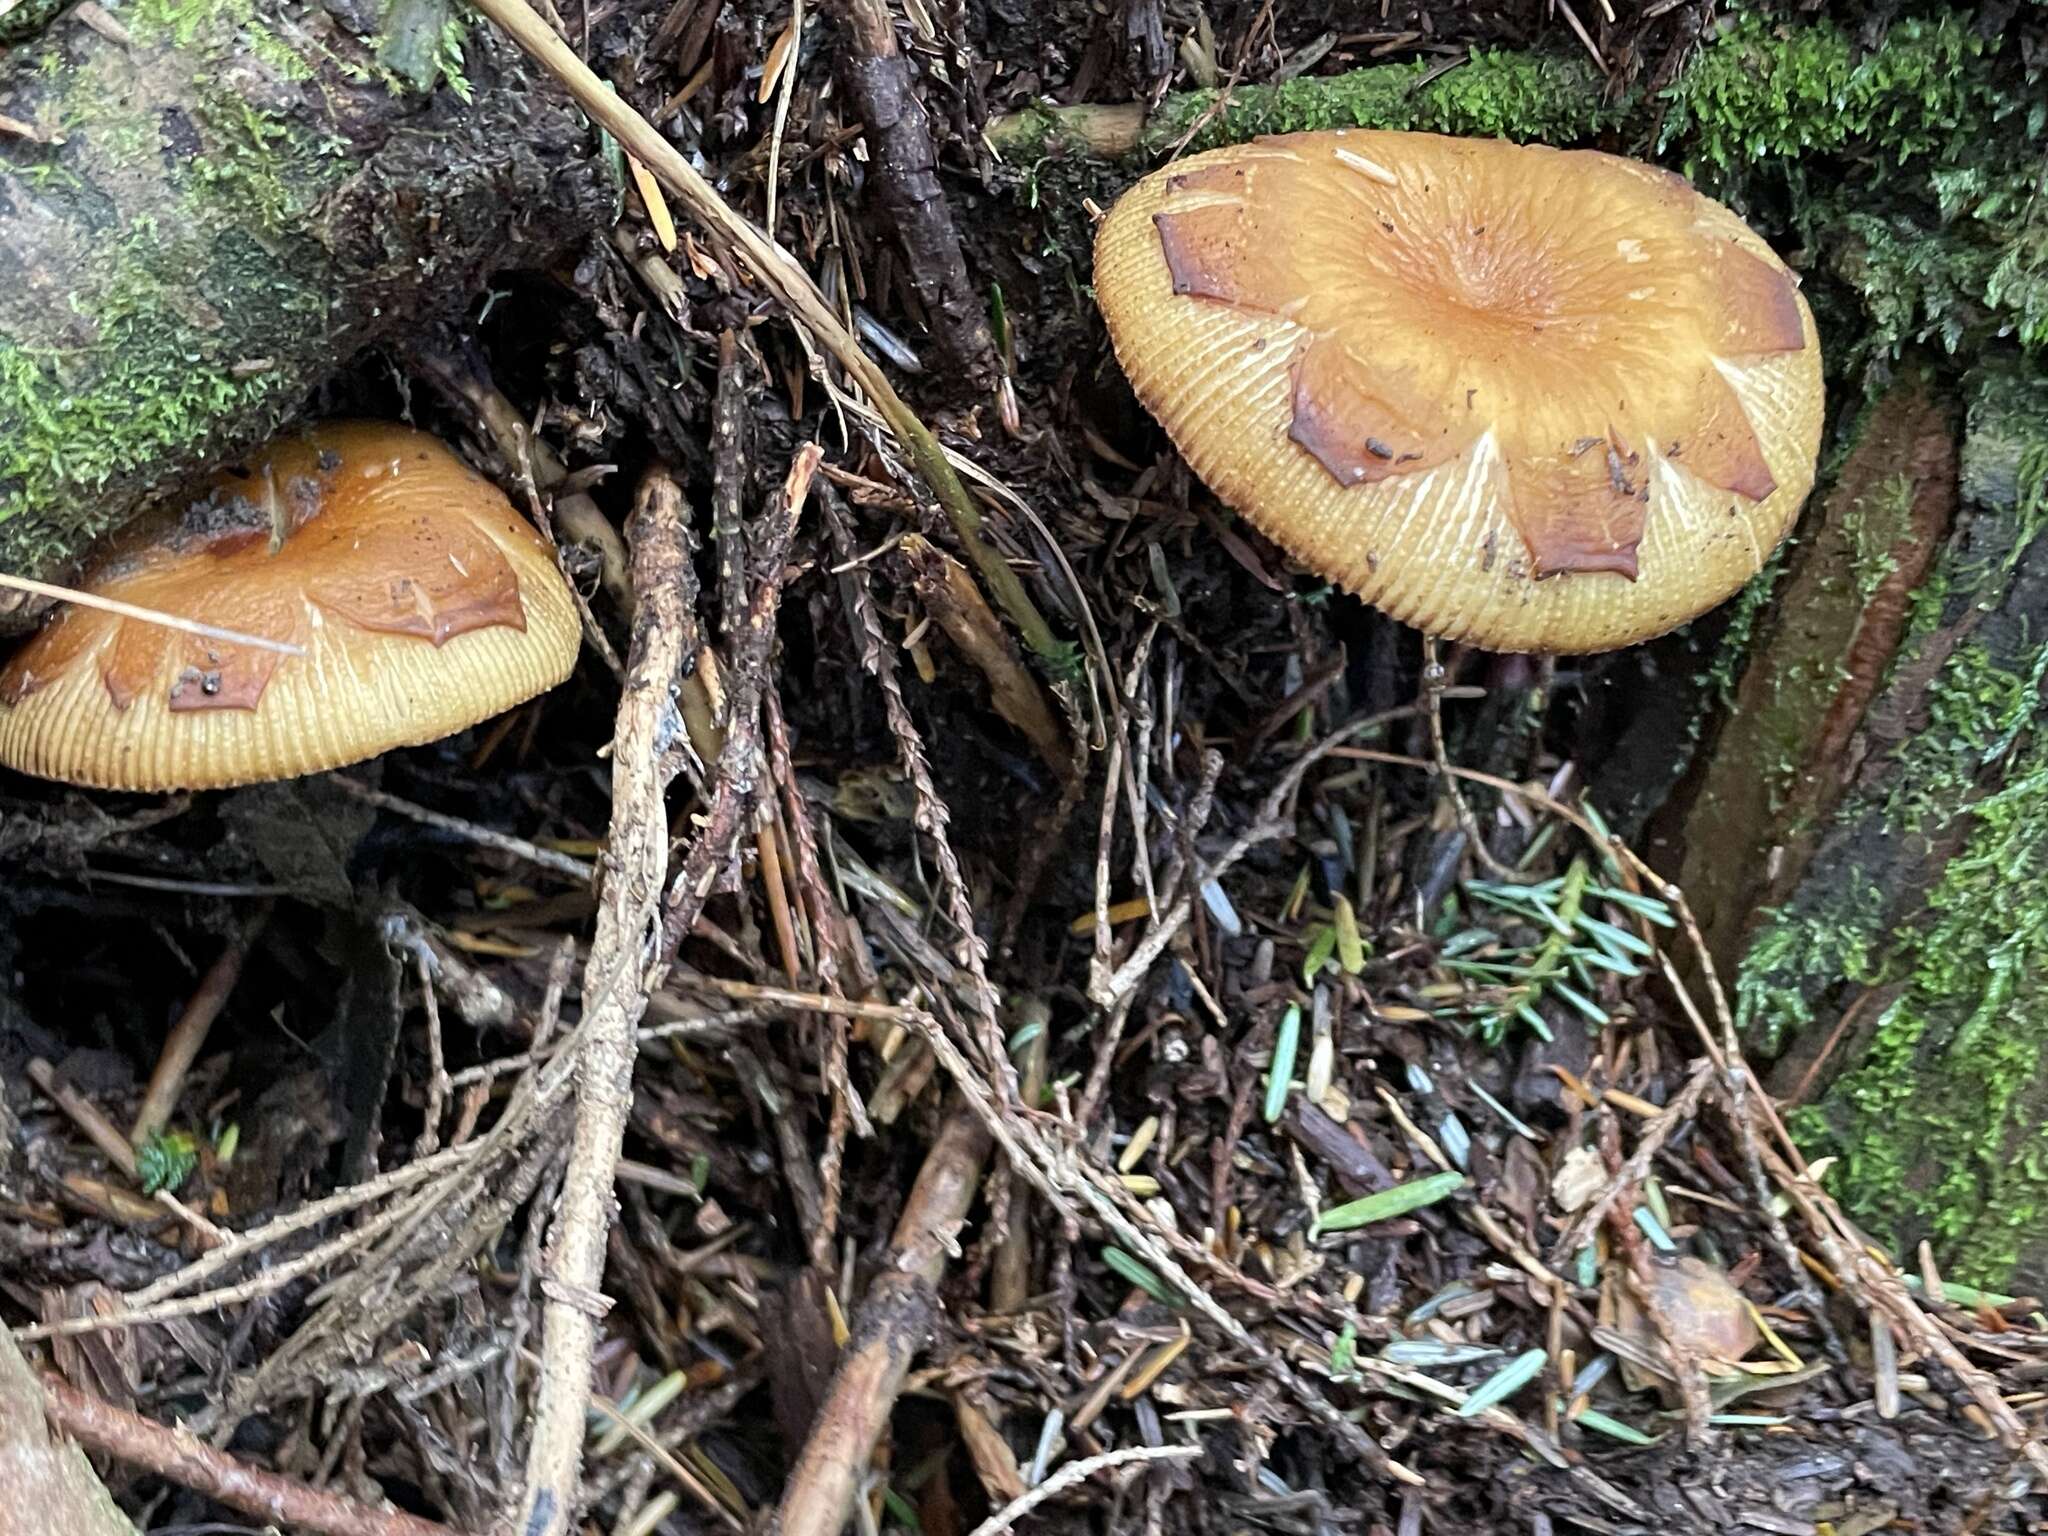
(1761, 93)
(1492, 95)
(149, 395)
(153, 370)
(1776, 995)
(1939, 1123)
(1916, 167)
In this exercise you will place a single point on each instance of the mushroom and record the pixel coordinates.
(1529, 399)
(401, 597)
(1705, 1315)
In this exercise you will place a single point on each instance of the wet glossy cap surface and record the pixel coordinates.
(1528, 398)
(423, 603)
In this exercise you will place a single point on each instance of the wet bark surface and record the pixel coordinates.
(206, 219)
(1789, 747)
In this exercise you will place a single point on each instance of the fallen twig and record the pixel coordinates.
(484, 837)
(903, 175)
(1079, 1472)
(188, 1036)
(188, 1461)
(615, 995)
(894, 1323)
(739, 757)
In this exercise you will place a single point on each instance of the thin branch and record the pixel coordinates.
(483, 837)
(147, 615)
(182, 1458)
(615, 995)
(1079, 1472)
(895, 1322)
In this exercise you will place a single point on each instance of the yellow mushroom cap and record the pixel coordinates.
(423, 603)
(1531, 399)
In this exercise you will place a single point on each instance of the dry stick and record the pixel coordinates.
(615, 995)
(780, 273)
(484, 837)
(146, 615)
(242, 1244)
(1433, 680)
(729, 435)
(931, 815)
(951, 597)
(894, 1323)
(768, 859)
(182, 1458)
(1009, 1281)
(1649, 1141)
(438, 1085)
(1079, 1472)
(903, 174)
(188, 1036)
(84, 1114)
(828, 924)
(739, 758)
(265, 1282)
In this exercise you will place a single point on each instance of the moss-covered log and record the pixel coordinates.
(204, 220)
(1906, 974)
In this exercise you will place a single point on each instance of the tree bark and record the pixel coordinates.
(206, 219)
(49, 1486)
(1901, 969)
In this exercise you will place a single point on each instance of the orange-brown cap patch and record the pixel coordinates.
(1443, 370)
(421, 603)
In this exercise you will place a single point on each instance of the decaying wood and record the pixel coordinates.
(216, 213)
(49, 1487)
(184, 1458)
(894, 1323)
(1837, 616)
(903, 172)
(956, 604)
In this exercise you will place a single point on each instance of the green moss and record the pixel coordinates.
(1775, 993)
(1939, 1124)
(1916, 167)
(156, 369)
(1750, 604)
(1491, 95)
(1874, 526)
(1941, 1117)
(148, 394)
(1763, 93)
(254, 163)
(274, 53)
(181, 21)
